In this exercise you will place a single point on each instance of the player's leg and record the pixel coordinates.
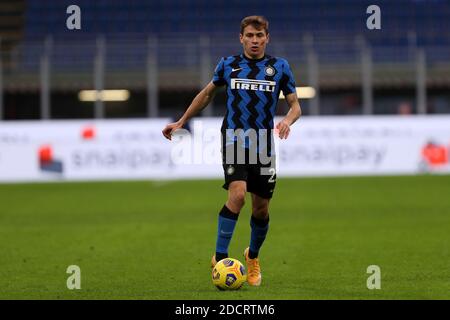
(236, 183)
(228, 216)
(236, 195)
(261, 184)
(259, 223)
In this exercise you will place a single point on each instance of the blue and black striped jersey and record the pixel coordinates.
(253, 88)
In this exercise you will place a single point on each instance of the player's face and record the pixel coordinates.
(254, 42)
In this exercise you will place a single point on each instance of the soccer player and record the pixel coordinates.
(253, 81)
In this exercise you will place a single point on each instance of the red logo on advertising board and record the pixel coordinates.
(45, 154)
(47, 162)
(88, 133)
(434, 154)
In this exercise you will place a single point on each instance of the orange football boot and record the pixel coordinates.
(253, 270)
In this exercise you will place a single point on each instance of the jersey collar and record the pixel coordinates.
(253, 60)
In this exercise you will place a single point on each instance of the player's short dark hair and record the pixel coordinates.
(258, 22)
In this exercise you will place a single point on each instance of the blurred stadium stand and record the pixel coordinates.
(185, 39)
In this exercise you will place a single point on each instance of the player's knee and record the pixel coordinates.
(238, 197)
(261, 211)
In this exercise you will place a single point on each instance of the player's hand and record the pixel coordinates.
(283, 129)
(171, 128)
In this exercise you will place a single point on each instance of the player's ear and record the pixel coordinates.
(241, 37)
(267, 38)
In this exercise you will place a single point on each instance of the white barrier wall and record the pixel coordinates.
(136, 149)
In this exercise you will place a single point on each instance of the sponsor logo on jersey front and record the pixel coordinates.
(254, 85)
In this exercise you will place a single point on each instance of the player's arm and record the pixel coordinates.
(293, 114)
(202, 99)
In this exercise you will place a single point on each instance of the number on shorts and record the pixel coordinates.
(272, 171)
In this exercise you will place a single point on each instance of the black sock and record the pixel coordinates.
(252, 255)
(220, 256)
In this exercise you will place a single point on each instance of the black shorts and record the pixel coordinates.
(260, 178)
(246, 163)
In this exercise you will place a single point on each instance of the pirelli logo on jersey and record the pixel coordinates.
(254, 85)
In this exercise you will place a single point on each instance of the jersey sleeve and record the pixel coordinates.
(218, 78)
(287, 80)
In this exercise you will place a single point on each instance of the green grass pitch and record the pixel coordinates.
(154, 240)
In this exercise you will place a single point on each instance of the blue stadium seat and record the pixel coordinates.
(288, 18)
